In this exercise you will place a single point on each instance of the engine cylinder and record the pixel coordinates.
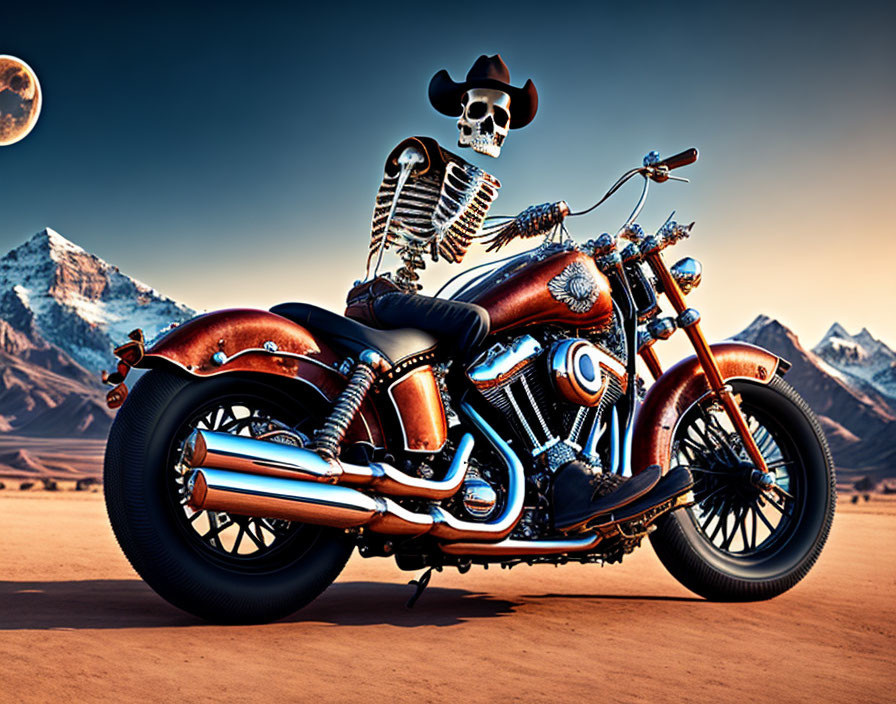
(581, 371)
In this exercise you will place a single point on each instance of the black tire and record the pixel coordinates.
(156, 536)
(761, 570)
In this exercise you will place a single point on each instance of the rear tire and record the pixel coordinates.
(150, 524)
(766, 568)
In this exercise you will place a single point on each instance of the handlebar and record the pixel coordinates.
(659, 171)
(688, 156)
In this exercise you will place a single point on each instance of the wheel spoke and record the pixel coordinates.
(723, 516)
(239, 538)
(761, 515)
(694, 447)
(709, 517)
(753, 533)
(259, 543)
(711, 494)
(779, 507)
(743, 528)
(728, 538)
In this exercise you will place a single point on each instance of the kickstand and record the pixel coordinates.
(421, 583)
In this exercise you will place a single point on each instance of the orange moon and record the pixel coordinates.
(20, 99)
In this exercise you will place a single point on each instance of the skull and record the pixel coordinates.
(485, 120)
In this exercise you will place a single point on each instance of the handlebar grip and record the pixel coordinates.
(688, 156)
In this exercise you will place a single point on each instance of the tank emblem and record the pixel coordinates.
(575, 287)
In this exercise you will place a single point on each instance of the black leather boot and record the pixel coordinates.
(579, 494)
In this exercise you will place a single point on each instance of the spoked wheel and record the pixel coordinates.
(243, 543)
(219, 566)
(746, 538)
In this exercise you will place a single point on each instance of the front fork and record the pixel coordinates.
(688, 320)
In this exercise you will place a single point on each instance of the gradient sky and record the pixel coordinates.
(229, 155)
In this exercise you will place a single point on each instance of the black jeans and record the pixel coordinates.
(459, 327)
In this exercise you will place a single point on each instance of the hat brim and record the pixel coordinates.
(445, 96)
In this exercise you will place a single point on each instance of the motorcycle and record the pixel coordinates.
(261, 447)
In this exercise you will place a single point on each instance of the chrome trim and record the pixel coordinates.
(386, 478)
(544, 425)
(275, 497)
(594, 435)
(520, 416)
(293, 500)
(614, 441)
(206, 449)
(244, 454)
(512, 547)
(626, 469)
(501, 359)
(342, 507)
(448, 527)
(576, 428)
(479, 497)
(688, 317)
(688, 273)
(661, 328)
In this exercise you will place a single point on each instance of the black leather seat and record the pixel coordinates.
(394, 345)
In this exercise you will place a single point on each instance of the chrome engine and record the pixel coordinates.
(553, 393)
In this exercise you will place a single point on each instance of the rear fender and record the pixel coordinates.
(683, 384)
(244, 340)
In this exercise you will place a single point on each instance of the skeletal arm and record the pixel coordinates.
(533, 221)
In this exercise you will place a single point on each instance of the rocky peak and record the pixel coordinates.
(77, 301)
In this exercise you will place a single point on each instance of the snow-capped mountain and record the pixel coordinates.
(859, 420)
(78, 302)
(865, 361)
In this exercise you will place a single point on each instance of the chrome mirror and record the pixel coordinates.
(687, 273)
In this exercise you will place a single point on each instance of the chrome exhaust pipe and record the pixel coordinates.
(448, 527)
(298, 499)
(523, 548)
(238, 453)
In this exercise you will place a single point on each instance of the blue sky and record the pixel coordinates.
(229, 154)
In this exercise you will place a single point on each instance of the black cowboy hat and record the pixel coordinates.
(487, 72)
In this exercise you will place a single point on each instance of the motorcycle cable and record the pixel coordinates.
(493, 264)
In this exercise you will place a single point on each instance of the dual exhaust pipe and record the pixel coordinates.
(245, 476)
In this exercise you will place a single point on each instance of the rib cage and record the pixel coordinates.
(438, 212)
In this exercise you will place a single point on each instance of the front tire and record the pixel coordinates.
(738, 543)
(266, 569)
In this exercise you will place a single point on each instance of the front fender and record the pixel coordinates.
(680, 386)
(261, 342)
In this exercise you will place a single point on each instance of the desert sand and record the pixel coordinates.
(77, 624)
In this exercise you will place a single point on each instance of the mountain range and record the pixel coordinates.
(63, 310)
(844, 379)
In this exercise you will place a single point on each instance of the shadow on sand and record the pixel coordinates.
(115, 604)
(129, 603)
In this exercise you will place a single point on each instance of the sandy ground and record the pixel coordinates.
(77, 624)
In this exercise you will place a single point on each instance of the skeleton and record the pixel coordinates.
(432, 202)
(485, 120)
